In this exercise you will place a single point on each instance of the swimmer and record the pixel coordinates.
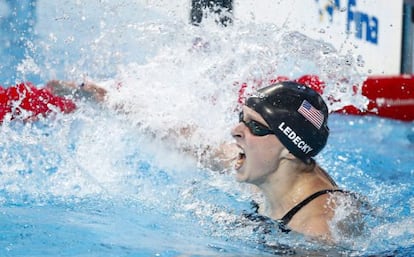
(24, 101)
(282, 127)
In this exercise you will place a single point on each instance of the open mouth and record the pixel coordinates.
(240, 159)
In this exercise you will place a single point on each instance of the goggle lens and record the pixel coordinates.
(255, 127)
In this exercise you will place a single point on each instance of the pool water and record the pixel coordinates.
(99, 182)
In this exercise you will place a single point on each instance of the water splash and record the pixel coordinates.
(164, 76)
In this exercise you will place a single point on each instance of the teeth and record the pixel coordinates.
(240, 160)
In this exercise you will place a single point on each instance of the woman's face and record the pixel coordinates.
(259, 155)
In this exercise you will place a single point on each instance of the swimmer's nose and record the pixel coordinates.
(237, 131)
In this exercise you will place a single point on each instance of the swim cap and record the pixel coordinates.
(297, 114)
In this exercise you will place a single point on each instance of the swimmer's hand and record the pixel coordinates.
(223, 157)
(86, 90)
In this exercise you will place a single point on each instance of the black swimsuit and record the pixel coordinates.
(282, 223)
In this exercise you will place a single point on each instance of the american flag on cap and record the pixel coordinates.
(312, 114)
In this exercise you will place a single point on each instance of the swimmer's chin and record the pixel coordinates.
(239, 175)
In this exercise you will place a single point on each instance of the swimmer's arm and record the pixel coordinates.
(317, 228)
(220, 158)
(87, 89)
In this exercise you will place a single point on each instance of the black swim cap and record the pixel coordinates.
(297, 114)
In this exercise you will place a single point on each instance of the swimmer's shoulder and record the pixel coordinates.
(351, 209)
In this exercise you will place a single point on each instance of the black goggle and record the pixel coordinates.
(255, 127)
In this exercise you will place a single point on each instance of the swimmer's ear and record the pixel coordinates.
(285, 154)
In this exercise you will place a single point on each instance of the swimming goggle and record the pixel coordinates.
(255, 127)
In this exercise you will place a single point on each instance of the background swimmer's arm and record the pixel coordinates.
(214, 157)
(87, 90)
(220, 158)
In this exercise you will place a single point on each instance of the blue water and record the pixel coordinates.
(17, 21)
(97, 183)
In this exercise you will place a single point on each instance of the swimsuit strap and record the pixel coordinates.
(265, 222)
(289, 215)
